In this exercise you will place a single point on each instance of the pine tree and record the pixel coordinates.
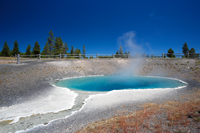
(6, 50)
(125, 54)
(185, 48)
(117, 54)
(15, 50)
(72, 50)
(121, 51)
(171, 53)
(50, 41)
(58, 47)
(36, 48)
(65, 48)
(46, 49)
(84, 51)
(28, 50)
(192, 51)
(77, 52)
(193, 54)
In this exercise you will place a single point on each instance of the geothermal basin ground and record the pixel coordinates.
(29, 102)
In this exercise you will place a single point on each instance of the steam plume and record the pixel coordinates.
(128, 42)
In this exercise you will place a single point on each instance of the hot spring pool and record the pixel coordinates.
(115, 82)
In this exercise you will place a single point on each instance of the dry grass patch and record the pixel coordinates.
(8, 58)
(170, 116)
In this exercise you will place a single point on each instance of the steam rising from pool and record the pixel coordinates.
(129, 43)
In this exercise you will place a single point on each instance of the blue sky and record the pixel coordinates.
(154, 25)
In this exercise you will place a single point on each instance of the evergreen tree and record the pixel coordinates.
(28, 50)
(15, 50)
(72, 50)
(129, 54)
(192, 51)
(46, 49)
(77, 51)
(171, 53)
(117, 54)
(185, 48)
(50, 41)
(125, 54)
(36, 48)
(84, 51)
(58, 45)
(6, 50)
(121, 51)
(65, 48)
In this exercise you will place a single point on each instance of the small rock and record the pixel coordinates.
(189, 116)
(45, 123)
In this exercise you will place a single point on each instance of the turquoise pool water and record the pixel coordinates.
(115, 82)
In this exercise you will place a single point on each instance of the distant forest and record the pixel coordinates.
(55, 46)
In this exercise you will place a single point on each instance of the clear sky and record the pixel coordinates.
(152, 26)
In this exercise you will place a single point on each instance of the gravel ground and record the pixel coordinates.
(25, 81)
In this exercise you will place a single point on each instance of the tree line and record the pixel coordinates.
(186, 51)
(53, 46)
(120, 53)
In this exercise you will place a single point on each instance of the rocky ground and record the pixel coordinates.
(21, 82)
